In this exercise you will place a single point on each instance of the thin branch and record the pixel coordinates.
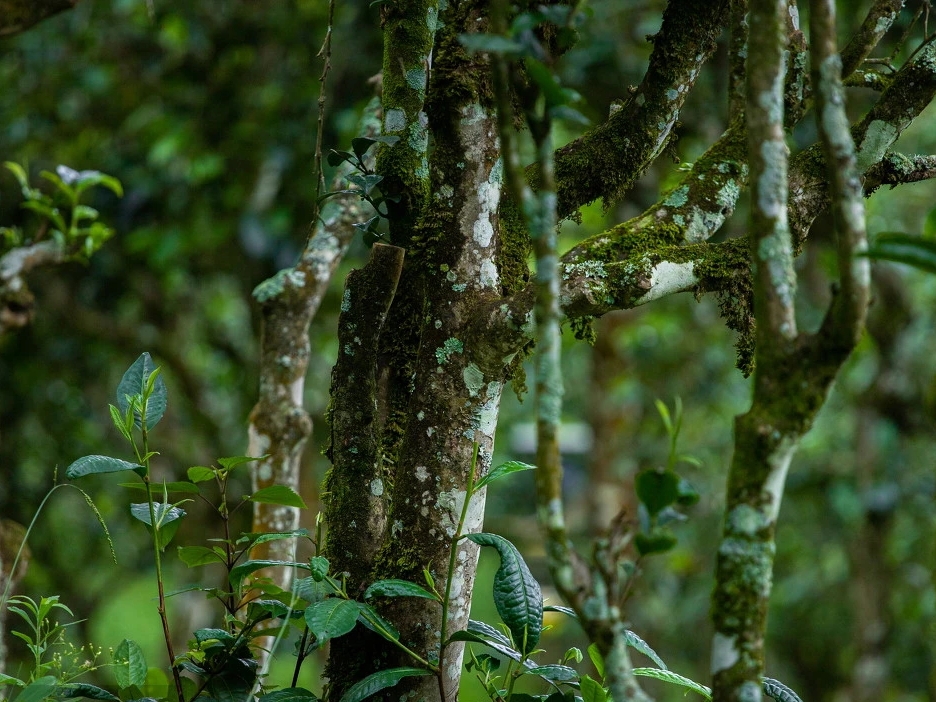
(19, 15)
(879, 19)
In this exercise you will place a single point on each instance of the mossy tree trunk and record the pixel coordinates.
(446, 333)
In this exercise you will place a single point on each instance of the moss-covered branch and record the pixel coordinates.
(409, 28)
(279, 425)
(609, 159)
(793, 372)
(909, 93)
(356, 505)
(896, 169)
(878, 20)
(19, 15)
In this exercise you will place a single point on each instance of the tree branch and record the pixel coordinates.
(19, 15)
(16, 300)
(609, 159)
(896, 169)
(878, 20)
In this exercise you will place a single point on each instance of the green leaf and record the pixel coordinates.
(597, 660)
(504, 650)
(319, 566)
(10, 680)
(380, 680)
(79, 690)
(118, 420)
(686, 494)
(779, 691)
(361, 145)
(38, 690)
(664, 415)
(278, 495)
(258, 610)
(194, 556)
(503, 470)
(331, 618)
(90, 465)
(200, 474)
(209, 634)
(487, 631)
(904, 248)
(164, 513)
(397, 588)
(256, 539)
(241, 571)
(129, 664)
(20, 174)
(312, 590)
(336, 158)
(592, 690)
(554, 673)
(657, 489)
(135, 382)
(658, 540)
(674, 678)
(568, 611)
(369, 617)
(234, 461)
(289, 694)
(517, 594)
(638, 644)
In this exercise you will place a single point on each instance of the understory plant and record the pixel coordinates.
(220, 663)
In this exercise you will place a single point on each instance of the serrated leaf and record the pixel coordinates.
(239, 572)
(369, 617)
(674, 678)
(278, 495)
(129, 664)
(164, 513)
(397, 588)
(257, 539)
(554, 673)
(134, 382)
(517, 594)
(568, 611)
(778, 691)
(200, 474)
(211, 634)
(657, 489)
(638, 644)
(38, 690)
(331, 618)
(503, 470)
(92, 465)
(504, 650)
(487, 631)
(380, 680)
(79, 690)
(234, 461)
(289, 694)
(194, 556)
(319, 566)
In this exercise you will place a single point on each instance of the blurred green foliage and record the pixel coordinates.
(205, 112)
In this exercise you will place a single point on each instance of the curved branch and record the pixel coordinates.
(896, 169)
(16, 300)
(609, 159)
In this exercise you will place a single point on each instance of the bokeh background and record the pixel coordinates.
(206, 112)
